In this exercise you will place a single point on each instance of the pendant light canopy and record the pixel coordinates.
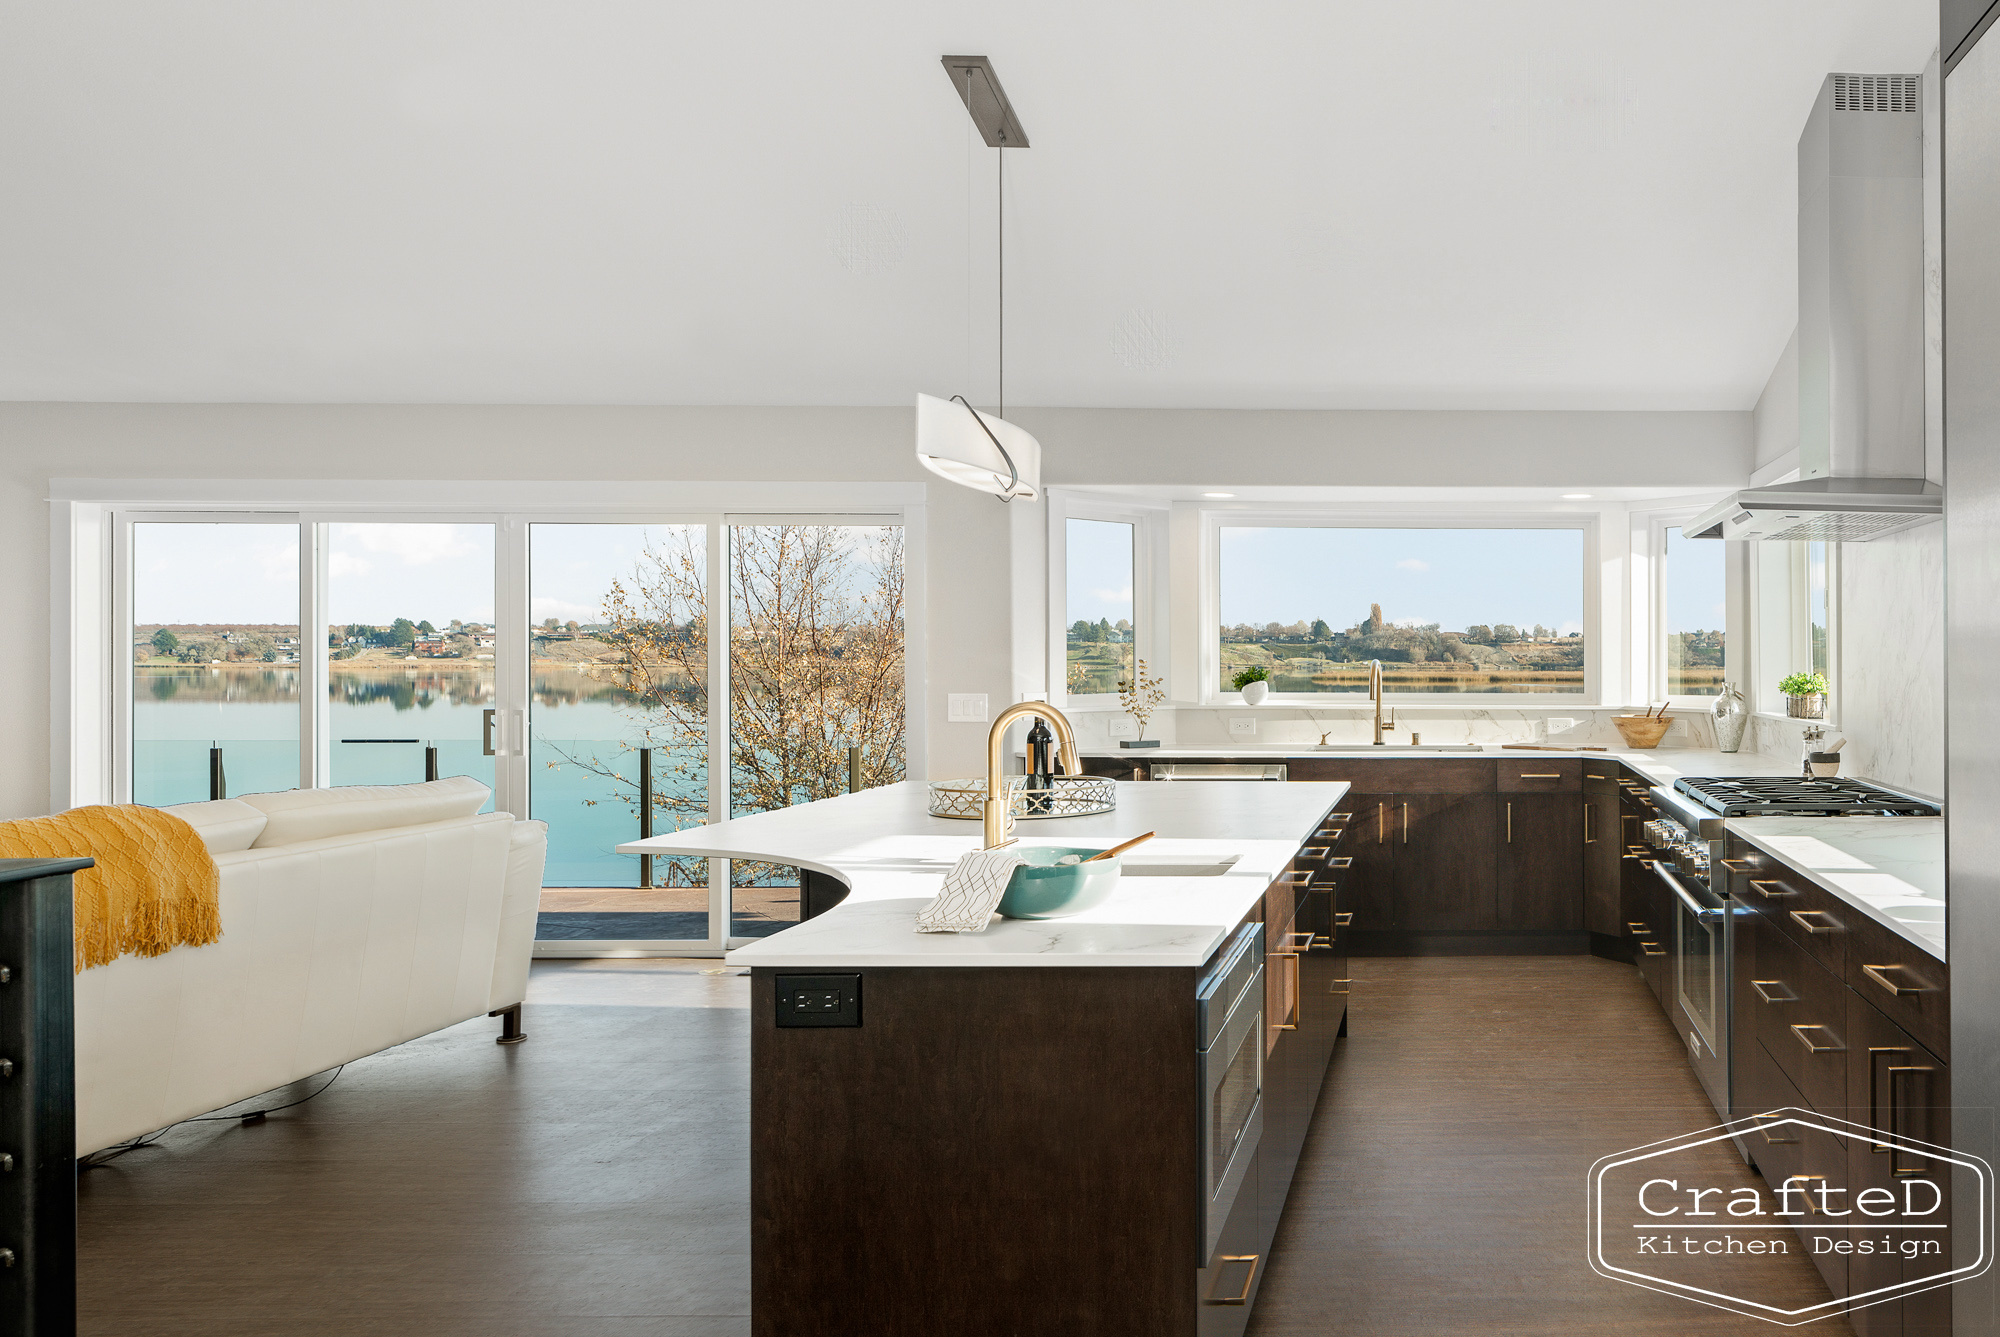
(954, 440)
(978, 450)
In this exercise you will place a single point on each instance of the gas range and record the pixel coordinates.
(1794, 796)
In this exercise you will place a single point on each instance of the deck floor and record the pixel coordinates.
(594, 1181)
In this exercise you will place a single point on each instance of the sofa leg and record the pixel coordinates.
(510, 1025)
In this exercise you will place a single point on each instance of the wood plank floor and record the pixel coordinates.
(1441, 1190)
(594, 1181)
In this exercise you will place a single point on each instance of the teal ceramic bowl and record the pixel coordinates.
(1045, 890)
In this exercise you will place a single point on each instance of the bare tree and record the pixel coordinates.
(815, 666)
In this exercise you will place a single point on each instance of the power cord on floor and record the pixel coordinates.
(110, 1154)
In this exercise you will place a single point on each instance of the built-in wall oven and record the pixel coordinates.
(1230, 995)
(1700, 993)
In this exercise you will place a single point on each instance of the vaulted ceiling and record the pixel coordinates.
(1294, 204)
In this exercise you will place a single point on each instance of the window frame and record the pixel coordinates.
(1654, 653)
(1773, 662)
(1151, 601)
(1209, 610)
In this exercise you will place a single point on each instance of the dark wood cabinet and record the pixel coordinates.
(1444, 851)
(1368, 886)
(1541, 861)
(1603, 908)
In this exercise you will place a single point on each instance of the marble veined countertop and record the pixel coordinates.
(893, 855)
(1890, 868)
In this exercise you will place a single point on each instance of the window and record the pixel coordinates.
(1797, 616)
(1447, 610)
(1693, 613)
(1099, 645)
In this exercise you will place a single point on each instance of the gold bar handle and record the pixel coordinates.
(1510, 823)
(1789, 997)
(1544, 775)
(1381, 823)
(1652, 949)
(1774, 1141)
(1763, 889)
(1333, 990)
(1290, 946)
(1242, 1297)
(1875, 973)
(1807, 1193)
(1343, 919)
(1406, 823)
(1894, 1132)
(1296, 878)
(1292, 975)
(1636, 927)
(1806, 1040)
(1314, 851)
(1831, 925)
(1741, 866)
(1345, 861)
(1588, 839)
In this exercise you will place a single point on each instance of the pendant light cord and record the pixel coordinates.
(1000, 210)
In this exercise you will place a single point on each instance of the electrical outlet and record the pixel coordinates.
(819, 1000)
(965, 707)
(1122, 726)
(1559, 724)
(1245, 727)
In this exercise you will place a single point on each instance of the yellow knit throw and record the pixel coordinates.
(155, 886)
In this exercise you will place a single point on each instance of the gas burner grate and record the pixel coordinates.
(1796, 796)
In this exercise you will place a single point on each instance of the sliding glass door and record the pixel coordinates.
(607, 677)
(214, 645)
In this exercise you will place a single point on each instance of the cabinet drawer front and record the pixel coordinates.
(1801, 1018)
(1541, 777)
(1805, 1158)
(1801, 910)
(1904, 982)
(1431, 775)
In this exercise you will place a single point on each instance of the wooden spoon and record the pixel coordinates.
(1120, 849)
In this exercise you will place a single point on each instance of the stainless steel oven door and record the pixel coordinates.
(1701, 982)
(1233, 1106)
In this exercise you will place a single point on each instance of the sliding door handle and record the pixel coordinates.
(486, 732)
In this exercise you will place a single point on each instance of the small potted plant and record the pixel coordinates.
(1805, 695)
(1255, 684)
(1140, 697)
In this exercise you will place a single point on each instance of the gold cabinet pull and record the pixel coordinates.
(1406, 823)
(1588, 839)
(1298, 877)
(1291, 946)
(1806, 1040)
(1764, 889)
(1314, 851)
(1789, 997)
(1333, 990)
(1346, 861)
(1541, 775)
(1322, 942)
(1636, 927)
(1242, 1297)
(1831, 925)
(1807, 1194)
(1510, 823)
(1343, 919)
(1894, 1131)
(1741, 866)
(1292, 980)
(1381, 824)
(1765, 1130)
(1875, 973)
(1652, 949)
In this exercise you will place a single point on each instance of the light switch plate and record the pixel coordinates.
(1243, 728)
(965, 707)
(1122, 726)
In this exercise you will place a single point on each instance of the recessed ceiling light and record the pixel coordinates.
(1219, 496)
(1576, 496)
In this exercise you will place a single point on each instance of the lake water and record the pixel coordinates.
(252, 713)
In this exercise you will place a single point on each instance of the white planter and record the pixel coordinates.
(1255, 692)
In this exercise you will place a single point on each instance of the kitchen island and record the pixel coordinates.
(1082, 1125)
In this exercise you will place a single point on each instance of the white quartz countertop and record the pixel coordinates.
(893, 855)
(1890, 868)
(1663, 765)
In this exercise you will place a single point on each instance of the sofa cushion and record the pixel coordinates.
(297, 815)
(225, 826)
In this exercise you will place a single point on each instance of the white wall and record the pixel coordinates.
(984, 571)
(1775, 420)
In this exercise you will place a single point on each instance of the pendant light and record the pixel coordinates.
(954, 440)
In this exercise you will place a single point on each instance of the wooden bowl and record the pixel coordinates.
(1642, 731)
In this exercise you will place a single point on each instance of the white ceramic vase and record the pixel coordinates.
(1255, 692)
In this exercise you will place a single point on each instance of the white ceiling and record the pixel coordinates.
(1291, 204)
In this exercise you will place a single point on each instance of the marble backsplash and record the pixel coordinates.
(1282, 726)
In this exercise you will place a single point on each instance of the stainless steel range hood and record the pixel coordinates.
(1861, 328)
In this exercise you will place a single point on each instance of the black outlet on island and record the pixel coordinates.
(819, 1000)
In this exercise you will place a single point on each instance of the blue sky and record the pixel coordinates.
(1453, 577)
(1695, 588)
(1100, 571)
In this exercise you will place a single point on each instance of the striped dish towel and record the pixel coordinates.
(972, 890)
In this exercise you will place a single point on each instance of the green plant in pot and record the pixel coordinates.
(1805, 695)
(1255, 684)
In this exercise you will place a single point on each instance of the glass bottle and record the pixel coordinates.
(1041, 777)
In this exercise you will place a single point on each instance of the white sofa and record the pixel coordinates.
(353, 919)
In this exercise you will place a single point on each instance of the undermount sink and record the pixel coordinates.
(1179, 865)
(1399, 747)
